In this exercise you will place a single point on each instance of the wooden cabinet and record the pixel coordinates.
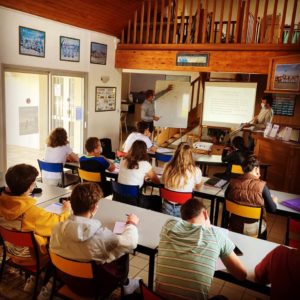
(284, 159)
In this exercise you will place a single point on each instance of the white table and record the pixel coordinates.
(150, 226)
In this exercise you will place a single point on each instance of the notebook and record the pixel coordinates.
(216, 182)
(292, 203)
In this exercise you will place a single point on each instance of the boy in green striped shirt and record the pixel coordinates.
(188, 252)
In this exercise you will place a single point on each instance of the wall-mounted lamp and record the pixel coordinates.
(104, 79)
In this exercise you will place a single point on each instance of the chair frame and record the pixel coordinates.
(148, 294)
(73, 268)
(55, 168)
(127, 191)
(245, 211)
(21, 239)
(292, 226)
(89, 176)
(174, 196)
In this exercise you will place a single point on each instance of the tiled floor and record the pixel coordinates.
(11, 286)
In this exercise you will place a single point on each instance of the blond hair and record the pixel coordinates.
(175, 172)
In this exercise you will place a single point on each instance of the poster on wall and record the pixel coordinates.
(105, 98)
(31, 42)
(28, 120)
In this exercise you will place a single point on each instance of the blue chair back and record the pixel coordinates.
(50, 167)
(163, 157)
(129, 194)
(125, 190)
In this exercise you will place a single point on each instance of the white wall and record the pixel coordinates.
(101, 124)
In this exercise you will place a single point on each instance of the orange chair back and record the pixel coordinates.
(177, 197)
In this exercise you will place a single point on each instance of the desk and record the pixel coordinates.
(149, 230)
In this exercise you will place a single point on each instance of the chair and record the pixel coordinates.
(236, 169)
(173, 196)
(162, 157)
(292, 236)
(22, 239)
(89, 176)
(107, 148)
(245, 211)
(66, 178)
(79, 280)
(124, 193)
(147, 294)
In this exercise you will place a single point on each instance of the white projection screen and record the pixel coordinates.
(228, 104)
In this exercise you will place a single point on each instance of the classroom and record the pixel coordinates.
(195, 80)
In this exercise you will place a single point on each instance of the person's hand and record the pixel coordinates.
(170, 87)
(66, 205)
(156, 118)
(133, 218)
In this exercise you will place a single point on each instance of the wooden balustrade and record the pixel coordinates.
(214, 21)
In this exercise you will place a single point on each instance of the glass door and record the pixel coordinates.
(67, 108)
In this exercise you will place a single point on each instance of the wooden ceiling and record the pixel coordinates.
(106, 16)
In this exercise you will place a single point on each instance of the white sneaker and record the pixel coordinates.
(132, 286)
(29, 285)
(45, 292)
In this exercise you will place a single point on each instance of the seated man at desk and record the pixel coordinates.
(95, 162)
(142, 134)
(187, 254)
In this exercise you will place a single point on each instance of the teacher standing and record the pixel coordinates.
(148, 109)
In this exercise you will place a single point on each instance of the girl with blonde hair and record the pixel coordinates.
(180, 175)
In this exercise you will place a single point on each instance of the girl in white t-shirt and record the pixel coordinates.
(180, 175)
(57, 151)
(135, 168)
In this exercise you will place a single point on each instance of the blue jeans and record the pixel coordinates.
(171, 209)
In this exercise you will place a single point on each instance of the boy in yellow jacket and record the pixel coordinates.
(18, 211)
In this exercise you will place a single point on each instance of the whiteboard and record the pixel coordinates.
(173, 107)
(228, 104)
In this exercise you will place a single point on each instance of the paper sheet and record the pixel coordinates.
(119, 227)
(55, 208)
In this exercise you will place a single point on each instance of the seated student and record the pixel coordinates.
(57, 151)
(95, 162)
(142, 134)
(234, 155)
(18, 210)
(135, 168)
(248, 189)
(181, 175)
(281, 269)
(83, 238)
(191, 247)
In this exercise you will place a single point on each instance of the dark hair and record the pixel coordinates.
(250, 163)
(192, 208)
(91, 144)
(85, 196)
(20, 177)
(268, 98)
(137, 152)
(58, 137)
(149, 93)
(142, 127)
(238, 142)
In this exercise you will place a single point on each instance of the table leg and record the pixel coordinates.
(216, 212)
(212, 208)
(151, 271)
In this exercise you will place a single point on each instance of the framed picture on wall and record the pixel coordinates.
(69, 49)
(287, 77)
(105, 99)
(31, 42)
(98, 53)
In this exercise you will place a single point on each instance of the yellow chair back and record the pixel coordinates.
(89, 176)
(245, 211)
(237, 169)
(71, 267)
